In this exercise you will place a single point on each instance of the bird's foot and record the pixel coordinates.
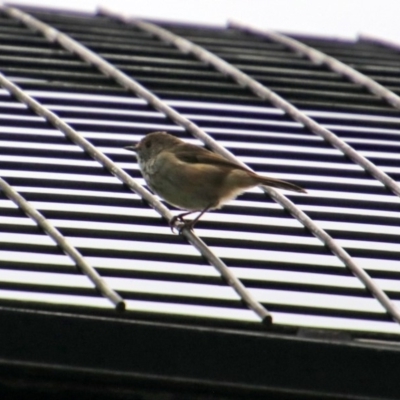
(177, 222)
(174, 224)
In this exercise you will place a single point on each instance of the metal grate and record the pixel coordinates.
(281, 264)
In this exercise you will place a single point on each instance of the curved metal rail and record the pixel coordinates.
(187, 47)
(319, 58)
(242, 79)
(264, 93)
(63, 243)
(106, 162)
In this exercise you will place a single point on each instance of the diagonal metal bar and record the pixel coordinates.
(139, 90)
(264, 93)
(63, 243)
(319, 58)
(107, 163)
(187, 47)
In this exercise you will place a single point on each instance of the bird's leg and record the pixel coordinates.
(188, 224)
(191, 224)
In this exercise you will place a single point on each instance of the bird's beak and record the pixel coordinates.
(133, 148)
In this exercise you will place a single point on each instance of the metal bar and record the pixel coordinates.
(319, 58)
(124, 80)
(263, 92)
(187, 47)
(139, 90)
(63, 243)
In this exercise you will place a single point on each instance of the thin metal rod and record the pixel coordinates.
(63, 243)
(187, 47)
(263, 92)
(107, 163)
(153, 100)
(319, 58)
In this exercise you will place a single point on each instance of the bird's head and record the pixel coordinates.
(152, 144)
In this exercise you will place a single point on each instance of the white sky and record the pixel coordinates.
(338, 18)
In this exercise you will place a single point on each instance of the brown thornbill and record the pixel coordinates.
(193, 178)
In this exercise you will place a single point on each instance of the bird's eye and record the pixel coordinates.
(148, 145)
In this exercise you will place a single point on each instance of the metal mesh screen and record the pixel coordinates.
(160, 275)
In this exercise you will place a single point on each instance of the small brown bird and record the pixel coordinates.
(193, 178)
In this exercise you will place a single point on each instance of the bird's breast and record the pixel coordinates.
(185, 185)
(193, 186)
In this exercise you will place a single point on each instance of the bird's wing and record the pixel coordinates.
(197, 155)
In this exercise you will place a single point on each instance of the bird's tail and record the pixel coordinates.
(277, 183)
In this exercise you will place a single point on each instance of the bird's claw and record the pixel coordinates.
(173, 224)
(179, 226)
